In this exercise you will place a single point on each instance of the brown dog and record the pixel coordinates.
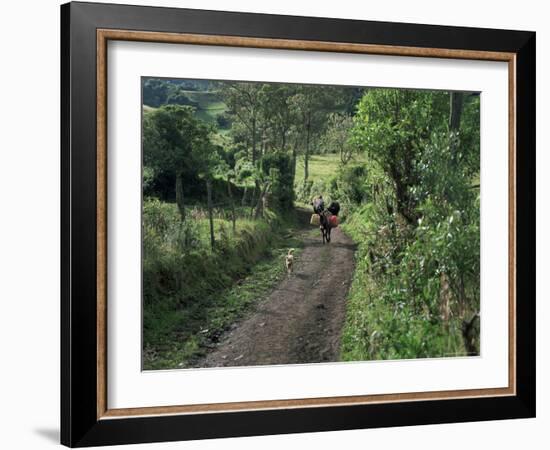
(289, 262)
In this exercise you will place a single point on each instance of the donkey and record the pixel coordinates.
(325, 226)
(325, 223)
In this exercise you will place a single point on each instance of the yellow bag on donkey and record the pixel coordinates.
(315, 220)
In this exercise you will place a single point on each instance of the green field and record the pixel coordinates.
(210, 104)
(321, 166)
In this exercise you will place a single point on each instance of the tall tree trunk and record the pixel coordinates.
(444, 299)
(254, 159)
(210, 212)
(457, 101)
(233, 217)
(261, 202)
(257, 191)
(254, 155)
(263, 145)
(306, 153)
(283, 139)
(294, 158)
(243, 200)
(252, 201)
(179, 195)
(400, 172)
(470, 335)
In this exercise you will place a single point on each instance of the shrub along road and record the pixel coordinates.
(301, 320)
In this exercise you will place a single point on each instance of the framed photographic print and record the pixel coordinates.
(276, 224)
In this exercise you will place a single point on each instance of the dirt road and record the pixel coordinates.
(301, 320)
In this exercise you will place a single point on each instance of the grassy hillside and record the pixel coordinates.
(210, 104)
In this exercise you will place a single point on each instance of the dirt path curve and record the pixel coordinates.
(301, 320)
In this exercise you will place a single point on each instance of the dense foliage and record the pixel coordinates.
(416, 288)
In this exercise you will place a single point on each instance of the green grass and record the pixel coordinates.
(320, 167)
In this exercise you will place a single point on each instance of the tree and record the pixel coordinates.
(245, 106)
(244, 102)
(466, 154)
(311, 104)
(277, 169)
(172, 142)
(223, 170)
(279, 117)
(306, 105)
(155, 92)
(244, 171)
(455, 113)
(457, 99)
(393, 126)
(208, 163)
(337, 136)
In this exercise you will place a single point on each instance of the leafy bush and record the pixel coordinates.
(278, 166)
(352, 184)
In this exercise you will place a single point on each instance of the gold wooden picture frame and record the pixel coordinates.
(105, 35)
